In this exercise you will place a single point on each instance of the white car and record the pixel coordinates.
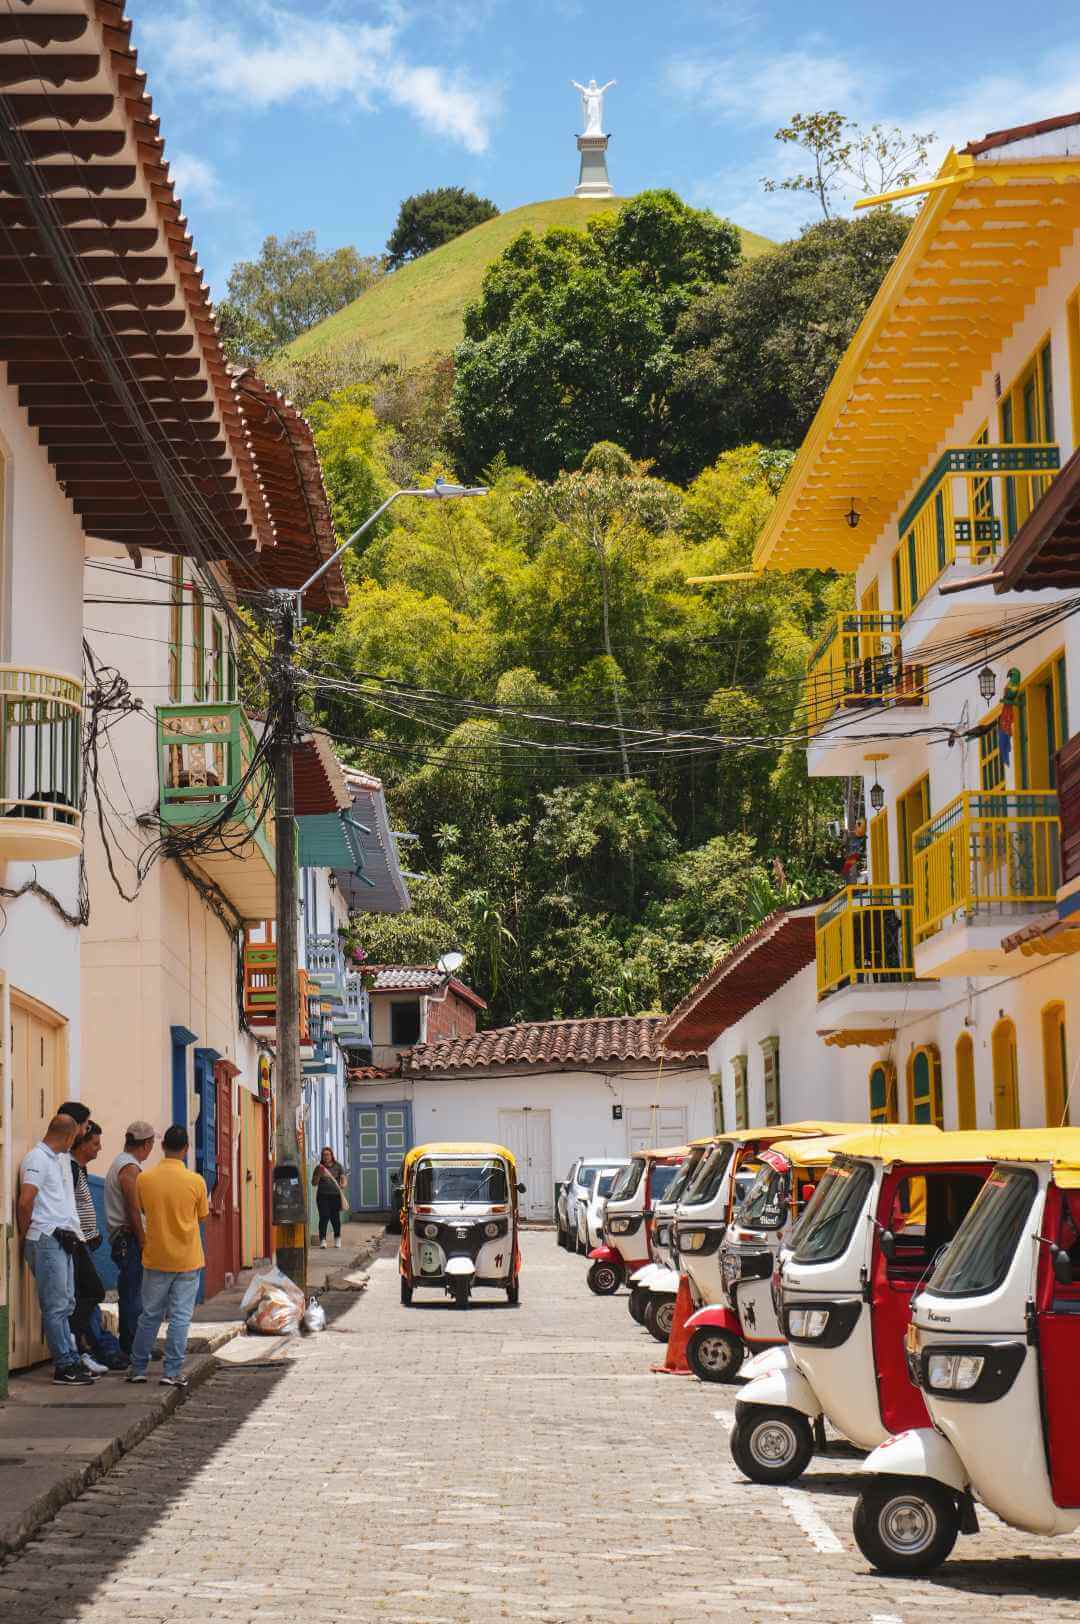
(578, 1187)
(590, 1209)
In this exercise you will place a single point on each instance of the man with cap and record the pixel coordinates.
(123, 1220)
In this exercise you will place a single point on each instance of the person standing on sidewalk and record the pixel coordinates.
(173, 1201)
(48, 1226)
(99, 1348)
(329, 1181)
(123, 1221)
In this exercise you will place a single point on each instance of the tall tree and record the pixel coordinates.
(428, 219)
(842, 154)
(291, 286)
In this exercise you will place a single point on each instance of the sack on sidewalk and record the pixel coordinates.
(272, 1305)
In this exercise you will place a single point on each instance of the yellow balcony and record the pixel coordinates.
(865, 964)
(40, 765)
(981, 864)
(859, 687)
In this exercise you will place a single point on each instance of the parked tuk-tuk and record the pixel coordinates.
(994, 1346)
(654, 1287)
(628, 1218)
(459, 1224)
(724, 1178)
(891, 1199)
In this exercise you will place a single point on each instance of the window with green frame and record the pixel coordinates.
(232, 678)
(770, 1050)
(738, 1066)
(924, 1086)
(991, 766)
(718, 1103)
(1026, 415)
(217, 666)
(198, 644)
(1042, 726)
(883, 1092)
(176, 631)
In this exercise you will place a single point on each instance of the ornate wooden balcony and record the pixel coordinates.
(40, 764)
(859, 665)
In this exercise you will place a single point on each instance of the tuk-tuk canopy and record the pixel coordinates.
(674, 1153)
(451, 1148)
(1058, 1146)
(786, 1130)
(922, 1142)
(816, 1150)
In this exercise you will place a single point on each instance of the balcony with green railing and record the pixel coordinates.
(216, 793)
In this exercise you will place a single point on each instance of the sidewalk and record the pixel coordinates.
(54, 1442)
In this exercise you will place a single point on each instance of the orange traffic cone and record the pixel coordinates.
(675, 1360)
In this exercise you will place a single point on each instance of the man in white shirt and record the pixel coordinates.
(48, 1225)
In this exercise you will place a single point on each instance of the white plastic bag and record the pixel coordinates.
(272, 1305)
(314, 1315)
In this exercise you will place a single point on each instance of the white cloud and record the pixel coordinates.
(281, 56)
(195, 180)
(767, 90)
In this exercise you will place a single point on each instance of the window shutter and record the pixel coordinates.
(718, 1102)
(739, 1067)
(770, 1049)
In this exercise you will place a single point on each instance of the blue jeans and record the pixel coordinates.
(127, 1256)
(54, 1276)
(170, 1295)
(99, 1343)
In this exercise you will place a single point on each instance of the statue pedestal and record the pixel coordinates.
(593, 179)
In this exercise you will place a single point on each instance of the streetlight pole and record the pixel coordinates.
(291, 1238)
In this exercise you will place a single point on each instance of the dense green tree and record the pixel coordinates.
(291, 285)
(428, 219)
(570, 341)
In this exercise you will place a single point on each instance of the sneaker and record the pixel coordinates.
(322, 1246)
(118, 1362)
(174, 1381)
(73, 1376)
(337, 1243)
(93, 1365)
(135, 1376)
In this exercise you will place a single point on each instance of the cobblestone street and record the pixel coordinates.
(434, 1466)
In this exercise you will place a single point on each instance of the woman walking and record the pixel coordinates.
(329, 1181)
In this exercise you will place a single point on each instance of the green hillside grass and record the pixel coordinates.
(417, 312)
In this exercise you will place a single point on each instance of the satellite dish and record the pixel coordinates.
(450, 962)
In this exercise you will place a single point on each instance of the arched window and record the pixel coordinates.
(965, 1082)
(924, 1085)
(1055, 1066)
(883, 1106)
(1006, 1080)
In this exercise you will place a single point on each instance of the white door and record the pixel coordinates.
(656, 1127)
(528, 1134)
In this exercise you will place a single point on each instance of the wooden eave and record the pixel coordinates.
(1045, 552)
(754, 969)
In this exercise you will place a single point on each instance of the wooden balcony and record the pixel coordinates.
(40, 765)
(211, 783)
(980, 865)
(260, 981)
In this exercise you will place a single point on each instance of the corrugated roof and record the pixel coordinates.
(556, 1045)
(781, 946)
(383, 889)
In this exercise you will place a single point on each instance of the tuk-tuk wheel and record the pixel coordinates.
(906, 1524)
(638, 1298)
(406, 1293)
(459, 1290)
(714, 1355)
(771, 1444)
(659, 1316)
(513, 1293)
(604, 1278)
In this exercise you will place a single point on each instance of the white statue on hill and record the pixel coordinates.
(592, 105)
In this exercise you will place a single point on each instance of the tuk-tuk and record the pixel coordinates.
(888, 1203)
(994, 1347)
(459, 1225)
(628, 1218)
(716, 1347)
(653, 1289)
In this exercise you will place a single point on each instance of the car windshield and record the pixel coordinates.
(587, 1178)
(978, 1257)
(683, 1174)
(606, 1181)
(628, 1180)
(453, 1179)
(828, 1223)
(705, 1184)
(766, 1203)
(663, 1175)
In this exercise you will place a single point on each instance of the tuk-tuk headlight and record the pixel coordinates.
(430, 1231)
(809, 1323)
(691, 1240)
(618, 1226)
(662, 1234)
(491, 1230)
(731, 1267)
(954, 1372)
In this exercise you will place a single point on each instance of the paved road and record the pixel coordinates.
(428, 1466)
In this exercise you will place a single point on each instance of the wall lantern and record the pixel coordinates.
(853, 515)
(987, 683)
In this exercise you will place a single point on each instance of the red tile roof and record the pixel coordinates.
(1020, 132)
(425, 978)
(552, 1045)
(371, 1074)
(755, 968)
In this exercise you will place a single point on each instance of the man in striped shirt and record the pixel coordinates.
(99, 1349)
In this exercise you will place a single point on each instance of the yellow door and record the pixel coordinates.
(965, 1081)
(253, 1176)
(35, 1093)
(1006, 1084)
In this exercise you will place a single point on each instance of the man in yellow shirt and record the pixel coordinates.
(173, 1200)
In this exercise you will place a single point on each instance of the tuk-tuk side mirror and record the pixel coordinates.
(521, 1189)
(1062, 1265)
(888, 1244)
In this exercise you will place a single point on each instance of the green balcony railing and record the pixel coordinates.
(205, 769)
(40, 764)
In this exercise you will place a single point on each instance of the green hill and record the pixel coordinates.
(417, 312)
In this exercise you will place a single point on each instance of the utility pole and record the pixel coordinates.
(290, 1239)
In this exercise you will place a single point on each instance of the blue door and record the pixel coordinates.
(379, 1136)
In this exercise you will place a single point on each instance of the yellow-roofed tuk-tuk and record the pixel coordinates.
(459, 1221)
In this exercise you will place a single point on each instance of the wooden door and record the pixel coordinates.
(36, 1091)
(379, 1136)
(527, 1134)
(253, 1157)
(1006, 1082)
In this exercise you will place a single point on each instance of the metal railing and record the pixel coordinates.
(859, 663)
(986, 852)
(864, 938)
(40, 752)
(353, 1023)
(326, 966)
(205, 755)
(974, 500)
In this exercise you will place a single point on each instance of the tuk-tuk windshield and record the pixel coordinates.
(705, 1184)
(827, 1225)
(766, 1203)
(980, 1252)
(460, 1179)
(663, 1176)
(627, 1181)
(683, 1174)
(606, 1182)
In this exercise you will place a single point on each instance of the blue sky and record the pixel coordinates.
(292, 114)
